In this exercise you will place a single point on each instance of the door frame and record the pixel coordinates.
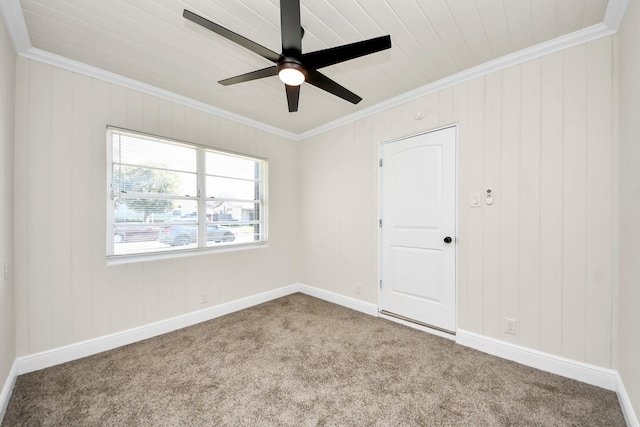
(414, 325)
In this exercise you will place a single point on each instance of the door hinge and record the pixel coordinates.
(380, 283)
(380, 162)
(380, 224)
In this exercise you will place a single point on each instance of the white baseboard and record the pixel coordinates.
(56, 356)
(352, 303)
(601, 377)
(7, 389)
(625, 403)
(590, 374)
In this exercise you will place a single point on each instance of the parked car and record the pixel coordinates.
(185, 234)
(135, 233)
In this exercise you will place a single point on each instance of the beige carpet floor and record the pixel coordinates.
(300, 361)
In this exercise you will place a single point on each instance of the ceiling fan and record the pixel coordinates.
(292, 66)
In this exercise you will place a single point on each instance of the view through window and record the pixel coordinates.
(166, 195)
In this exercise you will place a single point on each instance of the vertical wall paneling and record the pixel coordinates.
(7, 132)
(599, 206)
(346, 208)
(135, 110)
(59, 218)
(508, 195)
(117, 106)
(81, 218)
(365, 212)
(166, 292)
(20, 190)
(529, 206)
(65, 290)
(100, 109)
(150, 114)
(179, 122)
(626, 307)
(178, 279)
(474, 217)
(491, 179)
(191, 283)
(150, 283)
(445, 112)
(118, 295)
(574, 233)
(540, 134)
(165, 118)
(459, 114)
(551, 207)
(38, 199)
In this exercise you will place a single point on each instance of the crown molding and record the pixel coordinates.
(569, 40)
(16, 27)
(11, 12)
(108, 76)
(615, 13)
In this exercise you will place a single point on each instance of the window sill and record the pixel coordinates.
(155, 256)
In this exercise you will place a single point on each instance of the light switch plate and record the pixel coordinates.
(475, 200)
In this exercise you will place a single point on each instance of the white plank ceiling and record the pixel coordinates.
(150, 41)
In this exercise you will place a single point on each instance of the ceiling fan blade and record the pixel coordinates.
(290, 26)
(293, 96)
(323, 82)
(230, 35)
(253, 75)
(335, 55)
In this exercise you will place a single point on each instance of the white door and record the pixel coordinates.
(418, 229)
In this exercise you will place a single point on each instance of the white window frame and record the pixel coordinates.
(201, 198)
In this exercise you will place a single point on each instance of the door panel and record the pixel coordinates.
(418, 212)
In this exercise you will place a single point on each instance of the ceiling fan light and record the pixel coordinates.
(291, 76)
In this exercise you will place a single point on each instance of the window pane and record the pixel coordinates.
(138, 150)
(185, 209)
(144, 179)
(179, 236)
(219, 234)
(230, 212)
(232, 233)
(140, 225)
(230, 188)
(231, 166)
(141, 210)
(156, 202)
(247, 233)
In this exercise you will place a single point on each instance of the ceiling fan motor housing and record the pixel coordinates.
(291, 62)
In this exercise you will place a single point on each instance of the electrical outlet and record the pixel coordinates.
(510, 326)
(358, 288)
(204, 297)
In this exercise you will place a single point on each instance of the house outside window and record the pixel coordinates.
(169, 196)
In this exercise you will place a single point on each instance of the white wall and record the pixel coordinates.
(7, 326)
(629, 81)
(65, 292)
(541, 135)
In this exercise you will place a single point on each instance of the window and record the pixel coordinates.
(165, 196)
